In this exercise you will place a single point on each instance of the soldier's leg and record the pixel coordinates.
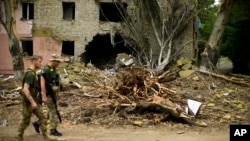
(53, 117)
(26, 115)
(36, 123)
(42, 121)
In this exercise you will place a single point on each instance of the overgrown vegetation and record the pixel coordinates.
(235, 42)
(207, 14)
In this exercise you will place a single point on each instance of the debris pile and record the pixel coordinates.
(186, 66)
(137, 96)
(130, 90)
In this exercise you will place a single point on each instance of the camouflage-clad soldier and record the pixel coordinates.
(30, 101)
(50, 85)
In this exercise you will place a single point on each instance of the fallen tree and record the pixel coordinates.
(138, 89)
(232, 80)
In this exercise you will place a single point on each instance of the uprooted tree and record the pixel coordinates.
(161, 22)
(137, 89)
(7, 19)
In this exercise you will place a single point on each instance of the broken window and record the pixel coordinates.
(112, 11)
(68, 10)
(27, 11)
(27, 47)
(68, 47)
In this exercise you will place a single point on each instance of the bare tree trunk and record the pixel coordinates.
(14, 46)
(172, 23)
(17, 59)
(211, 52)
(165, 21)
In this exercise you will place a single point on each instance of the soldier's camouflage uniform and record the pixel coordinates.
(27, 110)
(52, 79)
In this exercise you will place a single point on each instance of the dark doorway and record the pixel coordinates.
(101, 53)
(68, 47)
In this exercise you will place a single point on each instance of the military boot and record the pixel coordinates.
(19, 137)
(36, 126)
(47, 138)
(54, 132)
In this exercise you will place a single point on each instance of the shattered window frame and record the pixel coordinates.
(68, 47)
(68, 10)
(27, 11)
(27, 47)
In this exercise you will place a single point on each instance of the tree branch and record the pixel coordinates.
(1, 18)
(225, 78)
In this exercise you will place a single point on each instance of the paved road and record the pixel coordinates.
(84, 133)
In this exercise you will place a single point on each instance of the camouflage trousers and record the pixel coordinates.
(52, 113)
(27, 112)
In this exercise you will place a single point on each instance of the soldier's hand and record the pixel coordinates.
(34, 105)
(44, 99)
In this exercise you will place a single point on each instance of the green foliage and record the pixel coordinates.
(222, 58)
(207, 14)
(235, 43)
(230, 40)
(202, 4)
(237, 29)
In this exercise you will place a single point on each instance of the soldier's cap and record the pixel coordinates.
(55, 57)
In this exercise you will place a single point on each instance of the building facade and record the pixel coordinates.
(64, 27)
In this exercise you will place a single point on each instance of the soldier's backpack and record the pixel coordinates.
(33, 88)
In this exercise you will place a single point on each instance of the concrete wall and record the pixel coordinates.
(5, 58)
(48, 17)
(23, 29)
(49, 29)
(45, 46)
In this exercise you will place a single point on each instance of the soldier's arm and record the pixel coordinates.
(43, 81)
(28, 95)
(43, 90)
(43, 87)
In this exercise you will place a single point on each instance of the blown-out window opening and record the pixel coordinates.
(27, 11)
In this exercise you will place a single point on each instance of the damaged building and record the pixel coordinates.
(85, 30)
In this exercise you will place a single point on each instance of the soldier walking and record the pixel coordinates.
(50, 86)
(30, 88)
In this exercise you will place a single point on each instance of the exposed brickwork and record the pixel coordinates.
(48, 16)
(48, 29)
